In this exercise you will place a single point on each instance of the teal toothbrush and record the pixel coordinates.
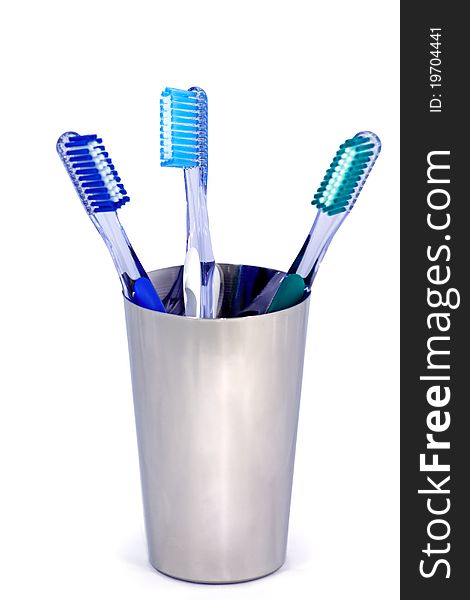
(334, 200)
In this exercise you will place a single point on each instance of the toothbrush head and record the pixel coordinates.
(92, 172)
(183, 128)
(347, 173)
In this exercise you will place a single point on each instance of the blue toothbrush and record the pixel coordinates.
(183, 144)
(334, 200)
(102, 193)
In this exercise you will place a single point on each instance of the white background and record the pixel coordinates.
(287, 82)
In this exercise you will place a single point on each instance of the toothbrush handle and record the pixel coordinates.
(260, 304)
(198, 239)
(284, 291)
(303, 270)
(313, 250)
(135, 282)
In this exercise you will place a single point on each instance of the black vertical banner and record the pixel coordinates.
(435, 269)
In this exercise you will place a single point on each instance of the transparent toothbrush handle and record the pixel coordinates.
(301, 274)
(198, 241)
(135, 282)
(312, 252)
(260, 304)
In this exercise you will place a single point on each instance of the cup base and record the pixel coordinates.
(217, 581)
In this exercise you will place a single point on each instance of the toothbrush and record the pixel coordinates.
(183, 144)
(102, 193)
(334, 200)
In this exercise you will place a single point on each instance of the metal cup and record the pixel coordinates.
(216, 406)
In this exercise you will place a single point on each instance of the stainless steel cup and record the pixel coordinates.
(216, 406)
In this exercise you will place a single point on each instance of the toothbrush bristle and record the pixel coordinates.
(347, 173)
(92, 172)
(183, 128)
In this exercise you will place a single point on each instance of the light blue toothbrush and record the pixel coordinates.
(102, 193)
(183, 144)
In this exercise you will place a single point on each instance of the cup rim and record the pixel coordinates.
(218, 319)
